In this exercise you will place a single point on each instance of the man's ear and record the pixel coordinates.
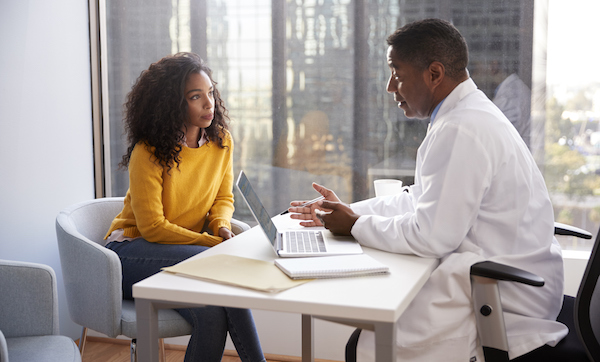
(436, 73)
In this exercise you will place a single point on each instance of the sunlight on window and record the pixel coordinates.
(572, 163)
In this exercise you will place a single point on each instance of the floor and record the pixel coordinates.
(117, 350)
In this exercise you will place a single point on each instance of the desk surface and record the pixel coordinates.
(380, 298)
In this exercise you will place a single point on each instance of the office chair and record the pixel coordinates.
(92, 275)
(29, 315)
(581, 315)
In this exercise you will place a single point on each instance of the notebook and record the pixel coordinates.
(295, 243)
(331, 267)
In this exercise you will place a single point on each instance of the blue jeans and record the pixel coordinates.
(141, 259)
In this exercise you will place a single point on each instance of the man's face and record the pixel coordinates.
(410, 87)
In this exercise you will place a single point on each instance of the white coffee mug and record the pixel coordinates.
(387, 187)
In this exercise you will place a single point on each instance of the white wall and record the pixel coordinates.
(45, 127)
(575, 263)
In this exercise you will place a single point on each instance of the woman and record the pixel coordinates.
(180, 180)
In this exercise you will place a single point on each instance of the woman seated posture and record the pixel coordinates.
(180, 179)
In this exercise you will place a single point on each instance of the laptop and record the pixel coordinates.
(295, 243)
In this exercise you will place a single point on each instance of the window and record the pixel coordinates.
(304, 82)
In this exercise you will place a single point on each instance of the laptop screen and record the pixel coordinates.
(257, 208)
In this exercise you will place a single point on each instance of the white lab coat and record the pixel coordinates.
(478, 195)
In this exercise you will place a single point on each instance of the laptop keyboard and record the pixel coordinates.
(305, 242)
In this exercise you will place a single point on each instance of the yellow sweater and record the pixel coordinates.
(171, 207)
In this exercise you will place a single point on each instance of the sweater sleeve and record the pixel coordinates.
(221, 212)
(145, 186)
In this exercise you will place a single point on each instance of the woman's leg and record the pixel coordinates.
(243, 334)
(141, 259)
(210, 331)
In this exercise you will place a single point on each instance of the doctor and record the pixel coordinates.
(478, 195)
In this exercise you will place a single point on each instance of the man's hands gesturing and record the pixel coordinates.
(337, 216)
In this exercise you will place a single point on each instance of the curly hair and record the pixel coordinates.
(156, 108)
(422, 42)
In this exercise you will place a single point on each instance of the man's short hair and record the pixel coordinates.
(422, 42)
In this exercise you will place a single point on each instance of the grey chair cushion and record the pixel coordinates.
(170, 323)
(42, 349)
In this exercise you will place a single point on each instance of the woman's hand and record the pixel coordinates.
(225, 233)
(308, 212)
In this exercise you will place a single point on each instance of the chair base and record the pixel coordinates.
(351, 345)
(162, 355)
(82, 340)
(133, 350)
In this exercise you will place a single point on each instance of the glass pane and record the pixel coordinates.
(307, 96)
(572, 162)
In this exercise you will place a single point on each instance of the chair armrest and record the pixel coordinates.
(488, 306)
(29, 299)
(92, 276)
(3, 348)
(238, 227)
(497, 271)
(564, 229)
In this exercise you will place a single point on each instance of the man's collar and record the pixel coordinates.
(459, 92)
(435, 111)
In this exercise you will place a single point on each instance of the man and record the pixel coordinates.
(478, 195)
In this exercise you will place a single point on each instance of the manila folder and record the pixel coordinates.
(238, 271)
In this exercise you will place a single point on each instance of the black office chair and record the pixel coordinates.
(581, 321)
(581, 314)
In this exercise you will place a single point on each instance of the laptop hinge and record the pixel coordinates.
(279, 242)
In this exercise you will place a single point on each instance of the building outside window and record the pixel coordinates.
(304, 82)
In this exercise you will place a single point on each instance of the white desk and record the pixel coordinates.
(373, 302)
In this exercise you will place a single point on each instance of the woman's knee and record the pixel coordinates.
(205, 317)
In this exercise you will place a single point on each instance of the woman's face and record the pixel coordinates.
(199, 94)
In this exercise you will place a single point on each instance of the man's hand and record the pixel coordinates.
(340, 220)
(225, 233)
(308, 212)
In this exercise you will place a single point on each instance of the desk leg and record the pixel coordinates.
(385, 342)
(147, 330)
(308, 350)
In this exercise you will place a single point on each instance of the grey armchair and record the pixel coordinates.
(29, 315)
(92, 275)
